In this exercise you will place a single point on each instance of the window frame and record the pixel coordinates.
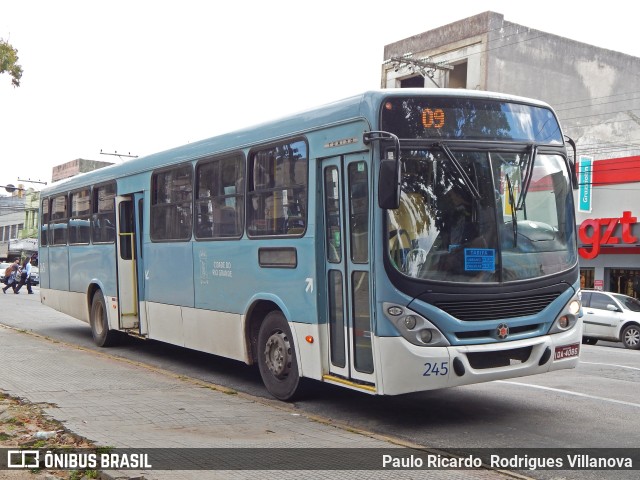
(239, 195)
(599, 297)
(59, 221)
(261, 194)
(95, 212)
(44, 221)
(154, 206)
(86, 216)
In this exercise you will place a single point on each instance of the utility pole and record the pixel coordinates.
(119, 155)
(28, 180)
(424, 66)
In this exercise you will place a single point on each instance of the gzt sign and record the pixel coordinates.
(602, 231)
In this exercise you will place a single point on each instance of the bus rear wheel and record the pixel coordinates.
(102, 336)
(277, 357)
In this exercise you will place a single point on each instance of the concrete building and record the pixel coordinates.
(74, 167)
(595, 94)
(19, 211)
(11, 222)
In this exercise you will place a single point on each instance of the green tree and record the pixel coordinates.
(9, 62)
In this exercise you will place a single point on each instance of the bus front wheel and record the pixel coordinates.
(102, 336)
(277, 357)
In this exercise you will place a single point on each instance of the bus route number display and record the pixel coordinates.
(433, 118)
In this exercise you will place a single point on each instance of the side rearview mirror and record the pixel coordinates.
(388, 185)
(389, 179)
(573, 170)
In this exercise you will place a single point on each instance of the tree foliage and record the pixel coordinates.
(9, 62)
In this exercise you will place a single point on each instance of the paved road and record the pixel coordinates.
(126, 404)
(594, 405)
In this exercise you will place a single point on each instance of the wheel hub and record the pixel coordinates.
(277, 355)
(632, 336)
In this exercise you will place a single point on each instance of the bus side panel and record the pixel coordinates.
(92, 263)
(69, 303)
(59, 267)
(215, 332)
(223, 274)
(169, 273)
(294, 287)
(165, 323)
(226, 279)
(43, 266)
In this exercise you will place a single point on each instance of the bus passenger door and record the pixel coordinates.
(346, 238)
(127, 268)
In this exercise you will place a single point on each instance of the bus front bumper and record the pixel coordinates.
(410, 368)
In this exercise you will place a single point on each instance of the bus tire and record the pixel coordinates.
(102, 336)
(277, 357)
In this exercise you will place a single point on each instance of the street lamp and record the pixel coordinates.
(11, 188)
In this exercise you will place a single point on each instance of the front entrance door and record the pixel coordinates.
(346, 237)
(129, 317)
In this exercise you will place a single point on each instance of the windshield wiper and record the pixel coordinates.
(514, 216)
(463, 175)
(526, 181)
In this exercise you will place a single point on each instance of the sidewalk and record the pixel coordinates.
(122, 404)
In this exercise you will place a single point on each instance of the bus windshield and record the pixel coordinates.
(486, 216)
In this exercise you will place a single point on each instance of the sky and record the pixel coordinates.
(141, 76)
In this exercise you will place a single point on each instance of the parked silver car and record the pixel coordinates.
(610, 316)
(35, 276)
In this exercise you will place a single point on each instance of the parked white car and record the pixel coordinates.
(610, 316)
(3, 267)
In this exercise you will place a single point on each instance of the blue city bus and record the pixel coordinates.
(397, 241)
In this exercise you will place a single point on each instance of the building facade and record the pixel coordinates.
(75, 167)
(594, 93)
(11, 223)
(19, 212)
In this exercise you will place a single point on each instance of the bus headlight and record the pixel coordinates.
(574, 307)
(413, 327)
(410, 322)
(568, 316)
(426, 335)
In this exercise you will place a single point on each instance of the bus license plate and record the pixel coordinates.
(567, 351)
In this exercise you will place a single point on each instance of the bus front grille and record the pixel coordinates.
(496, 309)
(488, 335)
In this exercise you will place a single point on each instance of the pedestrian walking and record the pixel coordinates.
(11, 276)
(25, 277)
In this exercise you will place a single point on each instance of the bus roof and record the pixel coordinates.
(361, 106)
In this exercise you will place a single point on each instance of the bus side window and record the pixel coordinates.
(279, 191)
(220, 197)
(359, 211)
(104, 218)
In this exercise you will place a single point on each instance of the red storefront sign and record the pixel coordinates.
(594, 233)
